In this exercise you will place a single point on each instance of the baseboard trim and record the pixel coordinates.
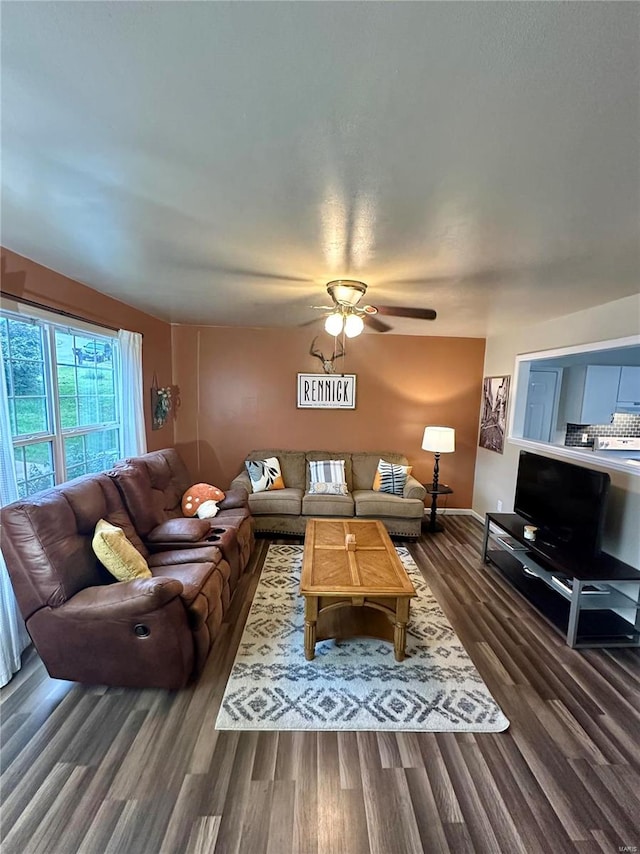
(456, 511)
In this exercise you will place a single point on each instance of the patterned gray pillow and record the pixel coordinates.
(327, 477)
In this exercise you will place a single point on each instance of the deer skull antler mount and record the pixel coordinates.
(328, 365)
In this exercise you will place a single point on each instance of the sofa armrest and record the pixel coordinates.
(413, 489)
(235, 497)
(180, 530)
(122, 599)
(175, 557)
(241, 481)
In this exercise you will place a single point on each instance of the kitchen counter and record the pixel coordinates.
(628, 459)
(612, 448)
(625, 461)
(630, 455)
(626, 449)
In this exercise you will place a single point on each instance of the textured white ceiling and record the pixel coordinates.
(218, 162)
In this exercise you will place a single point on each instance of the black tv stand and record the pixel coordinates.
(581, 599)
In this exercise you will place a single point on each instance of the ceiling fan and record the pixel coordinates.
(345, 313)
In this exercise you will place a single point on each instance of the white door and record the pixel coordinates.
(541, 398)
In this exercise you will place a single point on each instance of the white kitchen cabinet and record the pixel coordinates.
(591, 394)
(629, 387)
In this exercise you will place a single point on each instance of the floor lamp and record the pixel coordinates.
(439, 440)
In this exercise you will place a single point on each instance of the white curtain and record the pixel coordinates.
(134, 437)
(13, 635)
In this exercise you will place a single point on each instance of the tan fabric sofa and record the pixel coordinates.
(285, 511)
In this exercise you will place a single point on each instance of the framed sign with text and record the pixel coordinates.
(326, 391)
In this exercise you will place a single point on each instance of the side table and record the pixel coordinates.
(441, 489)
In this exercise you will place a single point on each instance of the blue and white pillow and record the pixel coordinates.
(265, 475)
(327, 477)
(391, 478)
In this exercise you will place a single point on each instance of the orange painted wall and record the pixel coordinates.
(238, 385)
(238, 392)
(24, 278)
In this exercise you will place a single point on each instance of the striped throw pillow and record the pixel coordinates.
(327, 477)
(391, 478)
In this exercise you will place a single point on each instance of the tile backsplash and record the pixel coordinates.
(625, 425)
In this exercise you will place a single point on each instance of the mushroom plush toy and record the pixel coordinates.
(201, 500)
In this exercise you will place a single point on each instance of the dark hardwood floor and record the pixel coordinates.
(139, 772)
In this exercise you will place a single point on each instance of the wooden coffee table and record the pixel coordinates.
(350, 591)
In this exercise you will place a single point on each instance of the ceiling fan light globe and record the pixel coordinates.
(333, 324)
(353, 325)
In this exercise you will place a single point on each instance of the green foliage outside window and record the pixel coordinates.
(81, 372)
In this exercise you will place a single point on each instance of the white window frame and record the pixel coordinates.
(50, 323)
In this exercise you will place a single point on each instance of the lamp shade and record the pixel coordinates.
(333, 324)
(353, 325)
(441, 440)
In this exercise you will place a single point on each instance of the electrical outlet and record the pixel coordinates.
(499, 505)
(585, 437)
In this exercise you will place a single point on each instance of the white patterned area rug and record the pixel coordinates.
(354, 684)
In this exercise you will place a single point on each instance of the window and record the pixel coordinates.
(63, 389)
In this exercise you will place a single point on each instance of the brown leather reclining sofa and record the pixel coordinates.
(152, 632)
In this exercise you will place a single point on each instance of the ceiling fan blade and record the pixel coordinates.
(375, 323)
(403, 311)
(311, 322)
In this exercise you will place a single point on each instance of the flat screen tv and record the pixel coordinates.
(566, 502)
